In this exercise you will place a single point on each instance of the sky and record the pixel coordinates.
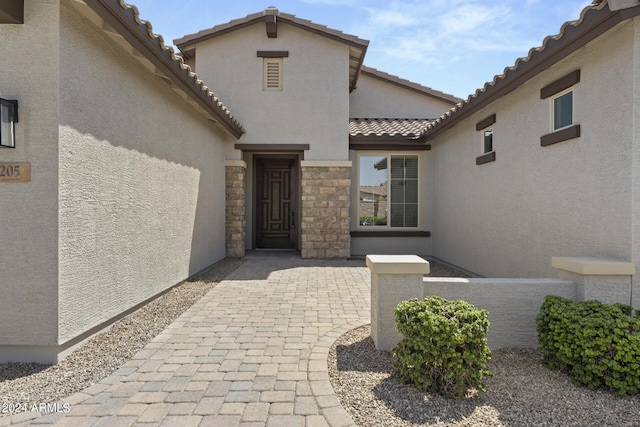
(454, 46)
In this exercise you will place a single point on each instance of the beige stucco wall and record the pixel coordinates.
(507, 218)
(312, 109)
(28, 211)
(374, 98)
(635, 135)
(141, 182)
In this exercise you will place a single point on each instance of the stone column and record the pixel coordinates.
(326, 199)
(235, 221)
(605, 280)
(394, 278)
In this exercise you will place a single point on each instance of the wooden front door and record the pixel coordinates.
(275, 203)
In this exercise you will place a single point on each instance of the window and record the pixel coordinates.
(562, 124)
(388, 191)
(8, 118)
(272, 74)
(487, 141)
(563, 110)
(486, 132)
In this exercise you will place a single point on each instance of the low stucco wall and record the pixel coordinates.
(513, 304)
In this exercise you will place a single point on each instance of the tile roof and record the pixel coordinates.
(125, 19)
(408, 128)
(594, 20)
(358, 46)
(378, 190)
(416, 87)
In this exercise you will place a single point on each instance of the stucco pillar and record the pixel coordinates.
(326, 200)
(604, 280)
(394, 278)
(235, 222)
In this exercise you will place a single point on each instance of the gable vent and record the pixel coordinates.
(272, 74)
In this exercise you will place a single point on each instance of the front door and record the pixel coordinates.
(275, 203)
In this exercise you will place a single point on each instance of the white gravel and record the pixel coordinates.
(522, 392)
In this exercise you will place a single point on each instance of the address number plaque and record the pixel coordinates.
(15, 172)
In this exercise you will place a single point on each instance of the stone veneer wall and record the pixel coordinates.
(235, 224)
(326, 199)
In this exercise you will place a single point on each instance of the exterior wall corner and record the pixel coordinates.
(235, 206)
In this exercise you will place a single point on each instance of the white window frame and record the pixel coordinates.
(388, 155)
(482, 140)
(553, 109)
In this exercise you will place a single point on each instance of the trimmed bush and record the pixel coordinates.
(444, 349)
(597, 344)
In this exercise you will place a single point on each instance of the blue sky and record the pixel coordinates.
(450, 45)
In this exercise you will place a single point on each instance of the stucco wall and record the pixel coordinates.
(635, 135)
(312, 109)
(28, 211)
(142, 182)
(507, 218)
(374, 98)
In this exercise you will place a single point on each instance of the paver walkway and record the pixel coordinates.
(252, 352)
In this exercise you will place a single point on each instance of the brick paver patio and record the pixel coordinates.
(252, 352)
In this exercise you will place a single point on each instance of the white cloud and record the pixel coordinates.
(393, 18)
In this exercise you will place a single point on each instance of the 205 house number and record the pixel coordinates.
(15, 172)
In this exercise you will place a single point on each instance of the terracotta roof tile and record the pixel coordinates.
(594, 19)
(408, 128)
(190, 39)
(124, 13)
(358, 46)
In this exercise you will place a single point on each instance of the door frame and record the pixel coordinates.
(296, 187)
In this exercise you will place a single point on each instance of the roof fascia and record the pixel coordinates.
(556, 50)
(123, 21)
(185, 44)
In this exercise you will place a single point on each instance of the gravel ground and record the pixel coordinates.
(102, 355)
(522, 392)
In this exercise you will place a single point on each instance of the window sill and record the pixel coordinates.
(389, 233)
(486, 158)
(560, 135)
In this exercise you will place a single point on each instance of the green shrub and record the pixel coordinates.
(444, 348)
(597, 344)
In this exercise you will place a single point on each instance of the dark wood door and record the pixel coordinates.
(275, 203)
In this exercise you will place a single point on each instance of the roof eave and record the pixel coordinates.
(123, 20)
(553, 50)
(186, 43)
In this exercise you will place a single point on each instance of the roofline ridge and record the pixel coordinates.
(469, 104)
(115, 11)
(374, 72)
